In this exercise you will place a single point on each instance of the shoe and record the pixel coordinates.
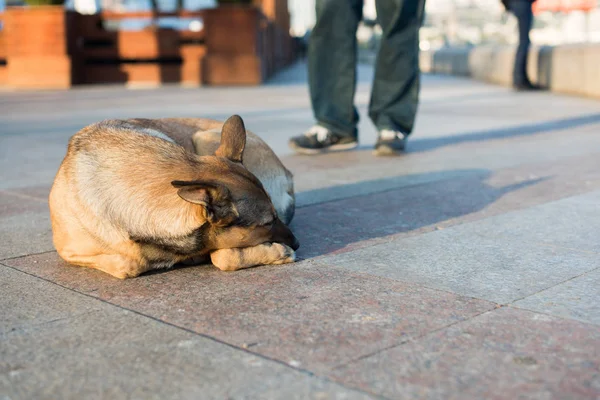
(526, 86)
(319, 139)
(390, 143)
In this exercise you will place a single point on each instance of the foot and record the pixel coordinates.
(526, 86)
(390, 143)
(319, 139)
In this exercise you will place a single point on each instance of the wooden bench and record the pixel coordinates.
(152, 55)
(3, 71)
(48, 47)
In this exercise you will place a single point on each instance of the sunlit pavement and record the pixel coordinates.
(467, 268)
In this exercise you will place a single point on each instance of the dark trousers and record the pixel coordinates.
(522, 10)
(332, 64)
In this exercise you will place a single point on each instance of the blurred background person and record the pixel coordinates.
(332, 76)
(522, 10)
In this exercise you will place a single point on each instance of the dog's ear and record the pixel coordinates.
(213, 198)
(233, 139)
(203, 193)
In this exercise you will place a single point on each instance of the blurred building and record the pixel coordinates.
(447, 22)
(472, 22)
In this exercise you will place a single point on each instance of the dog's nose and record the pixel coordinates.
(295, 244)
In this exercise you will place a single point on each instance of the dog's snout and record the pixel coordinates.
(295, 243)
(282, 234)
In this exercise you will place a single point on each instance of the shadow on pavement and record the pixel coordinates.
(337, 225)
(416, 145)
(419, 145)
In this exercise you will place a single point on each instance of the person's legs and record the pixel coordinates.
(523, 12)
(332, 64)
(332, 78)
(395, 93)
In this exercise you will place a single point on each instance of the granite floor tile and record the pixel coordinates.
(445, 155)
(57, 343)
(552, 180)
(351, 186)
(304, 314)
(380, 215)
(440, 200)
(24, 224)
(27, 233)
(571, 223)
(13, 204)
(502, 354)
(31, 158)
(27, 301)
(40, 192)
(578, 298)
(462, 261)
(116, 354)
(312, 315)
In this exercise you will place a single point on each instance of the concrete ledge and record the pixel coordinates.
(573, 69)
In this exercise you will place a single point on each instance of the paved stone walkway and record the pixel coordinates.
(468, 268)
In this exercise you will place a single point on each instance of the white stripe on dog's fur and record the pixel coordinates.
(279, 188)
(158, 134)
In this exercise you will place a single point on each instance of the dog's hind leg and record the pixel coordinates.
(263, 254)
(78, 248)
(113, 264)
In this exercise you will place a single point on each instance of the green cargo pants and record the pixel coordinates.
(332, 64)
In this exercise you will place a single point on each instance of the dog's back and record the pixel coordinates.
(111, 158)
(203, 136)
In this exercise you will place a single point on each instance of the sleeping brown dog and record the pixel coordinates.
(128, 199)
(203, 136)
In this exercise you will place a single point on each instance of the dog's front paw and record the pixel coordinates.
(283, 254)
(263, 254)
(228, 259)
